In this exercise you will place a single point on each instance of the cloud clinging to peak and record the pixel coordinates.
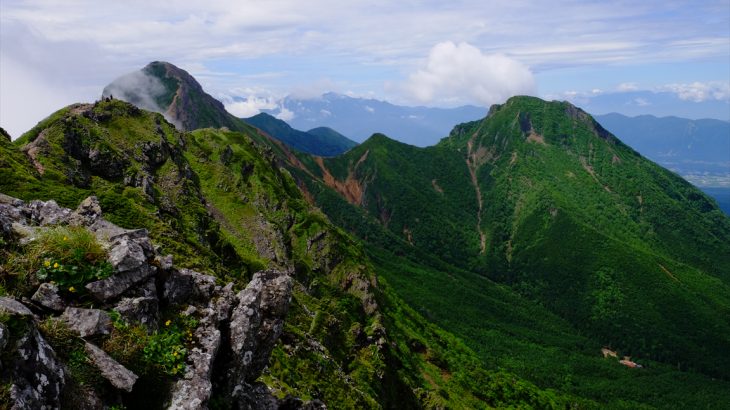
(461, 73)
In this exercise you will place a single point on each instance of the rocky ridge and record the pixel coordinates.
(243, 326)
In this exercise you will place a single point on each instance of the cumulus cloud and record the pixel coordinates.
(285, 114)
(250, 106)
(459, 73)
(699, 92)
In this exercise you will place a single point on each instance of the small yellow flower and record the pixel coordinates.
(65, 238)
(174, 354)
(47, 263)
(55, 265)
(168, 323)
(72, 289)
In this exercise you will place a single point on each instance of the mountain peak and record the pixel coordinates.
(165, 88)
(555, 122)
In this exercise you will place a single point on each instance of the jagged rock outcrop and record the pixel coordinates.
(188, 286)
(242, 327)
(194, 390)
(257, 322)
(36, 374)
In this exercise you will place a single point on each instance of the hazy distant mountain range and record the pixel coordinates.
(359, 118)
(660, 104)
(699, 150)
(322, 141)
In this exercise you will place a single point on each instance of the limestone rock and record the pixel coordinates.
(87, 213)
(47, 296)
(118, 375)
(87, 322)
(186, 286)
(9, 214)
(224, 303)
(147, 289)
(255, 397)
(13, 307)
(126, 254)
(257, 322)
(37, 375)
(195, 388)
(113, 286)
(48, 212)
(142, 310)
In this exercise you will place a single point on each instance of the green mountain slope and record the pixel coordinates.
(540, 197)
(321, 141)
(328, 134)
(508, 331)
(218, 201)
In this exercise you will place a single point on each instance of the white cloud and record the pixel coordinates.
(699, 92)
(250, 106)
(285, 114)
(369, 109)
(325, 113)
(623, 87)
(462, 73)
(641, 102)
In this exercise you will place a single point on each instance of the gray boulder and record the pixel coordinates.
(13, 307)
(142, 310)
(257, 322)
(118, 375)
(126, 254)
(36, 373)
(113, 286)
(165, 262)
(48, 213)
(47, 296)
(187, 286)
(87, 322)
(87, 213)
(147, 289)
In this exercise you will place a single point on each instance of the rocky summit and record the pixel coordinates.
(243, 326)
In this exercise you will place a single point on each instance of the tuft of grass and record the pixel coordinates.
(69, 256)
(70, 349)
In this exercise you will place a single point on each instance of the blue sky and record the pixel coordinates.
(434, 53)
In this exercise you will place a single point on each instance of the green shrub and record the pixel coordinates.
(166, 349)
